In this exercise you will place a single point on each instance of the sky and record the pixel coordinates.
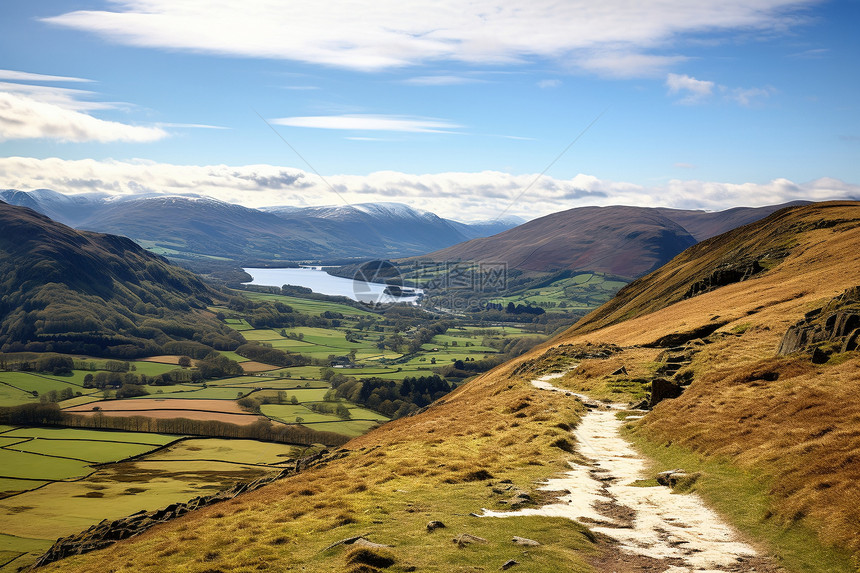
(473, 110)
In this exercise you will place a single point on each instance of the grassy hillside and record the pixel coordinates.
(77, 292)
(774, 439)
(790, 423)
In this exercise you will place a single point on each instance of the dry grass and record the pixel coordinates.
(796, 423)
(799, 430)
(440, 465)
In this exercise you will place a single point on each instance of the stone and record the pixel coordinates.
(525, 542)
(465, 539)
(662, 389)
(620, 372)
(434, 525)
(664, 478)
(508, 564)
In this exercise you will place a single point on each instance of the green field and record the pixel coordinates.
(579, 292)
(43, 507)
(18, 387)
(314, 307)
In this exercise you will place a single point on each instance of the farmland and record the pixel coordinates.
(60, 480)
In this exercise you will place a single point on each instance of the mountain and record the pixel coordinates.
(67, 209)
(387, 228)
(704, 224)
(623, 241)
(769, 441)
(201, 229)
(78, 292)
(488, 227)
(398, 227)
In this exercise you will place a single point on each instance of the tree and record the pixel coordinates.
(294, 401)
(185, 361)
(342, 412)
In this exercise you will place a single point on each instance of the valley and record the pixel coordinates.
(415, 416)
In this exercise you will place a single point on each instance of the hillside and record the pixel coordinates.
(771, 441)
(706, 224)
(623, 241)
(71, 291)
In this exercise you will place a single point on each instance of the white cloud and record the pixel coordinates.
(22, 117)
(369, 122)
(390, 33)
(463, 196)
(18, 76)
(694, 90)
(544, 84)
(748, 96)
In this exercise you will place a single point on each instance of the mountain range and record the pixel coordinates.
(200, 228)
(623, 241)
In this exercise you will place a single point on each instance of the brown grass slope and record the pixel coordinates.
(793, 423)
(624, 241)
(799, 432)
(476, 448)
(767, 242)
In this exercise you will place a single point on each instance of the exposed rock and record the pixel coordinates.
(662, 389)
(434, 525)
(465, 539)
(620, 372)
(724, 275)
(364, 542)
(670, 477)
(525, 542)
(831, 328)
(508, 564)
(677, 338)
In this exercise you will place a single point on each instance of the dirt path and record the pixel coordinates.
(672, 533)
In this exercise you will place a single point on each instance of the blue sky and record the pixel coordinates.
(451, 107)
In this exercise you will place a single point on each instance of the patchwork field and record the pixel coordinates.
(192, 409)
(72, 495)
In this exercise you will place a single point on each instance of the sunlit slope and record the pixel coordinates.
(797, 433)
(792, 423)
(440, 465)
(792, 256)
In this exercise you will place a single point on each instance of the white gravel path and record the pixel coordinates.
(649, 521)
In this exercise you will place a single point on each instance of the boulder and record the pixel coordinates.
(670, 477)
(465, 539)
(662, 389)
(525, 542)
(434, 525)
(508, 564)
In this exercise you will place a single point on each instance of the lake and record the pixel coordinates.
(321, 282)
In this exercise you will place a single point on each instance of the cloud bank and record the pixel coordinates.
(613, 37)
(461, 196)
(24, 117)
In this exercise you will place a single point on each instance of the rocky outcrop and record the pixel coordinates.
(107, 532)
(662, 389)
(835, 327)
(724, 275)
